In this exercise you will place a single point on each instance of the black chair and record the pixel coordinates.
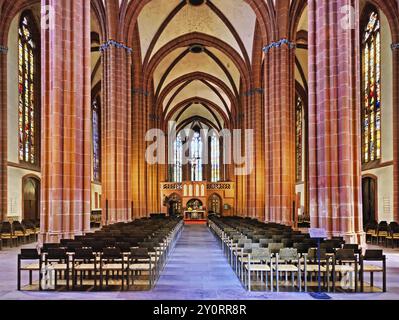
(83, 262)
(393, 236)
(355, 247)
(30, 255)
(140, 261)
(72, 246)
(112, 261)
(55, 261)
(345, 262)
(373, 256)
(7, 234)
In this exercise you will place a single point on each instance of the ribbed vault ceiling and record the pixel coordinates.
(195, 86)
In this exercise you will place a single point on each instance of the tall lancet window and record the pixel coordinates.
(196, 151)
(96, 129)
(178, 160)
(371, 111)
(299, 138)
(215, 158)
(28, 102)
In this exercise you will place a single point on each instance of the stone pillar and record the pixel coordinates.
(279, 131)
(334, 120)
(116, 132)
(3, 132)
(66, 124)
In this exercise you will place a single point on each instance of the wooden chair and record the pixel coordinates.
(259, 262)
(288, 261)
(310, 266)
(33, 257)
(7, 234)
(84, 262)
(373, 256)
(112, 261)
(140, 261)
(393, 236)
(345, 262)
(56, 260)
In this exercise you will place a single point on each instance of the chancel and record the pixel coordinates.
(184, 149)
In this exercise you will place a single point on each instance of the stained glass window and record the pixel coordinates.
(299, 138)
(196, 152)
(371, 113)
(27, 104)
(178, 160)
(96, 129)
(215, 159)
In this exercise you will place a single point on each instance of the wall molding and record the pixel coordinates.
(23, 167)
(112, 43)
(278, 44)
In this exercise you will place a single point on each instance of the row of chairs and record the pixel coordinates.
(123, 255)
(17, 233)
(264, 252)
(383, 233)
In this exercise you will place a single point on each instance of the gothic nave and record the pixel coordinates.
(160, 149)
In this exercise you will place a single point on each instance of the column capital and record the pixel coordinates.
(3, 49)
(112, 43)
(395, 46)
(278, 44)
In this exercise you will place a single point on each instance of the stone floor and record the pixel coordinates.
(196, 270)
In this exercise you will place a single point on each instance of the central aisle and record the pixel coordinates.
(197, 269)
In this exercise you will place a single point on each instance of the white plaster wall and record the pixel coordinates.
(385, 192)
(15, 176)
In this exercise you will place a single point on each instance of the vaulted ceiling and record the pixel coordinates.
(197, 52)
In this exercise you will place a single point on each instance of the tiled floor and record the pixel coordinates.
(196, 270)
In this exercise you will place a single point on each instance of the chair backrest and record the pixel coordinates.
(264, 243)
(302, 248)
(242, 242)
(261, 254)
(56, 254)
(48, 246)
(288, 254)
(345, 254)
(123, 246)
(6, 227)
(374, 255)
(84, 254)
(72, 246)
(313, 254)
(29, 254)
(355, 247)
(111, 253)
(275, 247)
(139, 253)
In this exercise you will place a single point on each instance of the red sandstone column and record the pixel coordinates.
(279, 132)
(116, 129)
(3, 132)
(334, 120)
(66, 125)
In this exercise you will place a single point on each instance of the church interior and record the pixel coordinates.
(199, 149)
